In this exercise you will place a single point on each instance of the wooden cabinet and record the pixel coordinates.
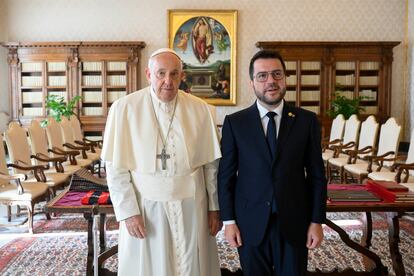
(100, 72)
(315, 70)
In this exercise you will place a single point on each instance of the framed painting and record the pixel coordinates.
(206, 41)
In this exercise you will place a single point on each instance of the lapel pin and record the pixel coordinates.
(290, 114)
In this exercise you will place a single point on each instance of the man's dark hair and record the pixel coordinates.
(265, 54)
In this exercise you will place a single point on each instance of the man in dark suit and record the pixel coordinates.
(272, 186)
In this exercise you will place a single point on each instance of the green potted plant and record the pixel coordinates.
(57, 107)
(341, 104)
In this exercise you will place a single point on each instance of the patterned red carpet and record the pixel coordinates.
(59, 247)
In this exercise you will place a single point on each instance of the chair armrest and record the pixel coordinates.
(13, 177)
(16, 178)
(404, 168)
(408, 166)
(379, 159)
(97, 143)
(353, 154)
(91, 146)
(341, 148)
(38, 170)
(327, 144)
(82, 148)
(57, 161)
(26, 167)
(44, 158)
(68, 153)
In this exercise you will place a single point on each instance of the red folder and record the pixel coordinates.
(390, 185)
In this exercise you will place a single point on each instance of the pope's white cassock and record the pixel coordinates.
(173, 201)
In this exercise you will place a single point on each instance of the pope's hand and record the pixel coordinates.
(232, 234)
(214, 223)
(136, 227)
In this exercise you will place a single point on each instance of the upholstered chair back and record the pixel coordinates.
(337, 129)
(3, 165)
(18, 146)
(76, 127)
(67, 132)
(351, 131)
(54, 134)
(38, 140)
(368, 135)
(389, 139)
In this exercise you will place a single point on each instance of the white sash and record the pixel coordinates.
(168, 188)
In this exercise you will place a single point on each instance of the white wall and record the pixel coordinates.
(4, 95)
(302, 20)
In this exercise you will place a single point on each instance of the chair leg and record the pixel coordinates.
(345, 177)
(92, 168)
(19, 210)
(328, 172)
(30, 208)
(99, 168)
(9, 213)
(52, 193)
(341, 174)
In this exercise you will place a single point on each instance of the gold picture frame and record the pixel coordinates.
(206, 41)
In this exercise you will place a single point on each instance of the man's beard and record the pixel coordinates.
(262, 96)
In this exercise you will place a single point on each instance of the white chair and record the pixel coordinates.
(39, 146)
(20, 154)
(349, 140)
(386, 155)
(400, 171)
(15, 191)
(69, 143)
(55, 141)
(366, 144)
(335, 137)
(95, 146)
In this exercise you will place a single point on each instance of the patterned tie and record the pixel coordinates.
(271, 133)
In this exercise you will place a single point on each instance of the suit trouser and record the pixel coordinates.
(274, 256)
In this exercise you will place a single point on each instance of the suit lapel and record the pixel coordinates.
(288, 118)
(257, 132)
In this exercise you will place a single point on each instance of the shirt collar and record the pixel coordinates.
(263, 111)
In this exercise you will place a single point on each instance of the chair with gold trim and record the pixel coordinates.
(14, 190)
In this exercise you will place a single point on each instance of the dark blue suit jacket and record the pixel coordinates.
(248, 177)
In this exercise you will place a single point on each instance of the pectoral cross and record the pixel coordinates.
(163, 156)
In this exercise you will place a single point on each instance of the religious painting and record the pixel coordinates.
(206, 40)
